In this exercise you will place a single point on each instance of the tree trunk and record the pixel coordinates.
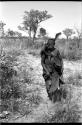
(29, 32)
(67, 38)
(66, 48)
(78, 42)
(34, 36)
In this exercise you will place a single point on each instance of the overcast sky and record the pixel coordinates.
(65, 14)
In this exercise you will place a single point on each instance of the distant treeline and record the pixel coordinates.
(14, 37)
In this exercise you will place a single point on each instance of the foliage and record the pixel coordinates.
(79, 36)
(67, 111)
(2, 24)
(64, 116)
(17, 34)
(32, 19)
(9, 88)
(11, 33)
(68, 32)
(70, 51)
(42, 32)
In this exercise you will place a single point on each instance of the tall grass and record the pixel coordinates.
(64, 116)
(71, 52)
(67, 111)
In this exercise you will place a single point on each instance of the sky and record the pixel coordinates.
(66, 14)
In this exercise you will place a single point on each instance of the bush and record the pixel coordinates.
(9, 88)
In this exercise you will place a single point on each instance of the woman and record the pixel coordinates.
(52, 64)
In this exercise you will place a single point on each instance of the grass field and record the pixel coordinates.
(32, 103)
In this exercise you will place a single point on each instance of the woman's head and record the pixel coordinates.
(51, 43)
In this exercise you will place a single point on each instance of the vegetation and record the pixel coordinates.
(79, 38)
(17, 88)
(15, 96)
(42, 32)
(32, 19)
(68, 112)
(18, 97)
(63, 116)
(2, 24)
(9, 88)
(70, 52)
(11, 33)
(68, 32)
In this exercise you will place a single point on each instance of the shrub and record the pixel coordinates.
(35, 98)
(9, 88)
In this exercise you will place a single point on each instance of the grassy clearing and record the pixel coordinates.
(29, 96)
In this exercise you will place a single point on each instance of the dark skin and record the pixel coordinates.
(52, 64)
(49, 47)
(51, 61)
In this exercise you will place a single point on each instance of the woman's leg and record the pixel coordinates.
(54, 89)
(48, 85)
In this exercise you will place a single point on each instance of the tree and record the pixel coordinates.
(42, 32)
(10, 33)
(32, 19)
(2, 24)
(79, 34)
(17, 34)
(68, 32)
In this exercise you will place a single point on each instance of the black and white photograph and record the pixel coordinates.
(41, 62)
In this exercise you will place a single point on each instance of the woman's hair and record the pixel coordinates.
(51, 41)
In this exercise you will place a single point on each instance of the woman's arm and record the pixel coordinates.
(43, 62)
(44, 66)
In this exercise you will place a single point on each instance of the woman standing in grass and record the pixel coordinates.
(52, 64)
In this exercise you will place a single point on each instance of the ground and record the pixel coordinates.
(46, 107)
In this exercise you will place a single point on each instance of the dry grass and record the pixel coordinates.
(63, 116)
(76, 79)
(30, 98)
(25, 98)
(67, 111)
